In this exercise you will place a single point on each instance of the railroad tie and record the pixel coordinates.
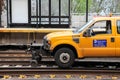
(6, 77)
(83, 76)
(68, 76)
(37, 76)
(98, 77)
(22, 76)
(114, 78)
(52, 76)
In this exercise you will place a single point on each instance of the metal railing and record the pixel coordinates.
(77, 19)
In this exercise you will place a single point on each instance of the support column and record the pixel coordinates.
(86, 10)
(1, 3)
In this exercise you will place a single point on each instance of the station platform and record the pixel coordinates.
(21, 37)
(31, 30)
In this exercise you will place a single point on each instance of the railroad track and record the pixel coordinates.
(21, 58)
(16, 57)
(16, 65)
(12, 55)
(42, 72)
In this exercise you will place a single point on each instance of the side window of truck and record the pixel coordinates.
(101, 27)
(118, 26)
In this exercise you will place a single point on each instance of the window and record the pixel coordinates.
(65, 7)
(101, 27)
(118, 26)
(54, 7)
(44, 7)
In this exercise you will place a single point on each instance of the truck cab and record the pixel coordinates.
(99, 37)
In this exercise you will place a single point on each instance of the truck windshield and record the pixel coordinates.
(79, 29)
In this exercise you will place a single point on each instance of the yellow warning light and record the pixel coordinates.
(110, 15)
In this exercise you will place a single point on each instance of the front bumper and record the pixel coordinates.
(40, 49)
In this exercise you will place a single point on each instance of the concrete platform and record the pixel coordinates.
(29, 30)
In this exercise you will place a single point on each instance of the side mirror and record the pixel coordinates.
(87, 33)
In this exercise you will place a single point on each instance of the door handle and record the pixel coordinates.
(112, 39)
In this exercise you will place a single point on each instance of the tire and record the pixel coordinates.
(64, 57)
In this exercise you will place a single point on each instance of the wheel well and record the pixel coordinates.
(67, 46)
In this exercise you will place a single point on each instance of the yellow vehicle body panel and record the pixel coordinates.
(61, 38)
(117, 38)
(80, 55)
(89, 50)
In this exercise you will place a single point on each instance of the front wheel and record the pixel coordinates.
(64, 57)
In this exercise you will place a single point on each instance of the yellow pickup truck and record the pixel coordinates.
(98, 38)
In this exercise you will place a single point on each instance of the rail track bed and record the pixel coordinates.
(16, 65)
(54, 73)
(49, 70)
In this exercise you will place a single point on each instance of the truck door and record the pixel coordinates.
(117, 23)
(100, 41)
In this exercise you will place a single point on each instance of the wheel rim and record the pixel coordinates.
(64, 57)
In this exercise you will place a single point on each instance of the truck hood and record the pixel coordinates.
(59, 34)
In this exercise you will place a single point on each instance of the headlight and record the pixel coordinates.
(46, 43)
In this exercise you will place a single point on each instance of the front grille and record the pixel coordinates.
(44, 40)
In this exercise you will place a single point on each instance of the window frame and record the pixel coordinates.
(117, 27)
(97, 33)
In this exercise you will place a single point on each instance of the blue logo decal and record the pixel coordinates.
(99, 43)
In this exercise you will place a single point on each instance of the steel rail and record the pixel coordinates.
(31, 70)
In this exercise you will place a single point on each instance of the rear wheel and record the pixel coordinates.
(64, 57)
